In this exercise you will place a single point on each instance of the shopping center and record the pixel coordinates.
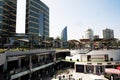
(95, 61)
(32, 64)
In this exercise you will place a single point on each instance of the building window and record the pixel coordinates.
(111, 59)
(89, 57)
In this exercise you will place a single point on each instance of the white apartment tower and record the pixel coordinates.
(89, 34)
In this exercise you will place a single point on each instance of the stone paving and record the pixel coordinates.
(80, 76)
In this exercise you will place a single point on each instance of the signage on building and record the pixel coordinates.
(97, 57)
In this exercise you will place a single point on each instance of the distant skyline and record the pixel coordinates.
(79, 15)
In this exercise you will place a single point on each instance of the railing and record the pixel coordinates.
(26, 70)
(1, 76)
(18, 70)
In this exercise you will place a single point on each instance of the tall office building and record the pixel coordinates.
(108, 33)
(7, 17)
(29, 16)
(64, 38)
(37, 19)
(89, 34)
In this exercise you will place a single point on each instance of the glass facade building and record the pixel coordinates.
(7, 17)
(37, 19)
(41, 25)
(64, 38)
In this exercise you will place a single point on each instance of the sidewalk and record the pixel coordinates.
(78, 76)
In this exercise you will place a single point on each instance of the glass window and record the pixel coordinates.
(1, 10)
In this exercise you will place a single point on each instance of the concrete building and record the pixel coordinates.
(108, 33)
(37, 64)
(31, 65)
(64, 38)
(96, 61)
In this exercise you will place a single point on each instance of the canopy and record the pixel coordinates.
(118, 68)
(112, 71)
(23, 40)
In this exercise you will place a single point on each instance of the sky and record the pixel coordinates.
(79, 15)
(21, 16)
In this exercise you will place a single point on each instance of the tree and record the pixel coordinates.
(32, 37)
(57, 42)
(118, 43)
(50, 40)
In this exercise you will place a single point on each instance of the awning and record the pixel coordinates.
(112, 71)
(46, 42)
(23, 40)
(118, 68)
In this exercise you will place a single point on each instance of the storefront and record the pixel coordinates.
(99, 69)
(89, 68)
(80, 68)
(93, 67)
(114, 74)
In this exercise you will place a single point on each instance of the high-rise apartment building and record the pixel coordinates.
(89, 34)
(108, 33)
(31, 16)
(64, 38)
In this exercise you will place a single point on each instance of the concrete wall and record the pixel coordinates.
(2, 58)
(74, 58)
(115, 54)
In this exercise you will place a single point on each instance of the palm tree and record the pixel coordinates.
(50, 40)
(32, 37)
(74, 44)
